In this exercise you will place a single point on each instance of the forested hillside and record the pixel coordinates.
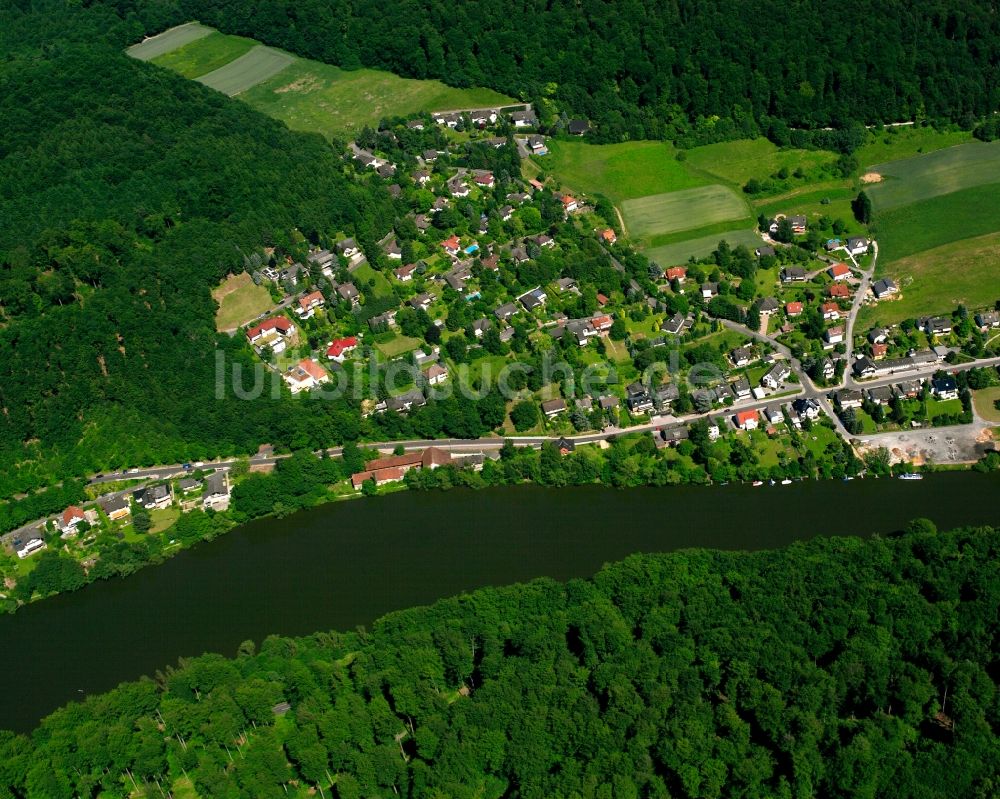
(126, 193)
(836, 668)
(647, 69)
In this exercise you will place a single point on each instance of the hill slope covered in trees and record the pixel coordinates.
(126, 194)
(837, 667)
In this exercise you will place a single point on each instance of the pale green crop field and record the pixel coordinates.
(688, 209)
(930, 175)
(245, 72)
(205, 55)
(168, 41)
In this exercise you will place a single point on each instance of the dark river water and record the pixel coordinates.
(346, 564)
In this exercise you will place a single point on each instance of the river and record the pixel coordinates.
(346, 564)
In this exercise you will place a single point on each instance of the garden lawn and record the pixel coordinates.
(933, 174)
(952, 407)
(397, 345)
(984, 402)
(205, 54)
(240, 301)
(688, 209)
(365, 273)
(163, 517)
(937, 280)
(818, 439)
(679, 253)
(619, 171)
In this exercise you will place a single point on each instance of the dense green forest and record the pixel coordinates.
(836, 668)
(126, 193)
(697, 70)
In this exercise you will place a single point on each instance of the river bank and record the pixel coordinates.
(113, 550)
(346, 564)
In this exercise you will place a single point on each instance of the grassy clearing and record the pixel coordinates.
(937, 280)
(687, 209)
(984, 402)
(240, 301)
(893, 144)
(679, 253)
(313, 96)
(934, 174)
(397, 346)
(253, 67)
(205, 55)
(368, 279)
(168, 41)
(162, 518)
(941, 220)
(619, 171)
(738, 161)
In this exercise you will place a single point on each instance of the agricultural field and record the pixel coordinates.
(205, 55)
(935, 174)
(680, 252)
(619, 171)
(240, 301)
(893, 144)
(313, 96)
(660, 214)
(939, 279)
(911, 229)
(306, 95)
(168, 41)
(253, 67)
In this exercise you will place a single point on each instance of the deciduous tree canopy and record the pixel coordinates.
(837, 667)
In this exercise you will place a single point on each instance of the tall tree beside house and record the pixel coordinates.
(862, 207)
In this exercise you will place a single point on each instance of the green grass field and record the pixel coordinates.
(397, 346)
(205, 55)
(937, 280)
(168, 41)
(307, 95)
(809, 201)
(678, 253)
(984, 402)
(934, 174)
(893, 144)
(619, 171)
(312, 96)
(253, 67)
(240, 301)
(738, 161)
(364, 273)
(940, 220)
(659, 214)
